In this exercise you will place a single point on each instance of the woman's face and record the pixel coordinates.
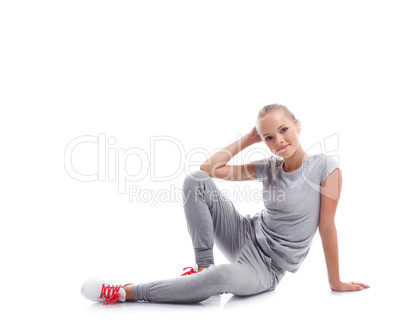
(280, 134)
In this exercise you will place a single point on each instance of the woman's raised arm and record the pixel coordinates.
(216, 166)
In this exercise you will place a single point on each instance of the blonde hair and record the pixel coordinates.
(276, 107)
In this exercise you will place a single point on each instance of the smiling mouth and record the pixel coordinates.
(284, 147)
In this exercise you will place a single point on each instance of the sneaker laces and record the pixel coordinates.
(189, 272)
(111, 293)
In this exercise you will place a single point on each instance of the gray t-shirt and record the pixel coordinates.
(289, 221)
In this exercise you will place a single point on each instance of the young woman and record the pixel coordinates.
(300, 194)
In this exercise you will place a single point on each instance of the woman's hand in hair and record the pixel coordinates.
(254, 136)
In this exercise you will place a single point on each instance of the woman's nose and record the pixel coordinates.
(279, 139)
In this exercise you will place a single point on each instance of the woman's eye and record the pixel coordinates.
(269, 137)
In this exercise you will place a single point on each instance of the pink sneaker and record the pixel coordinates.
(98, 291)
(192, 270)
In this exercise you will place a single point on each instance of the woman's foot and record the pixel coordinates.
(98, 291)
(193, 270)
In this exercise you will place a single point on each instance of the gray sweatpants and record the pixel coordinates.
(212, 218)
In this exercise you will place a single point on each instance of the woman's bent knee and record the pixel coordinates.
(194, 178)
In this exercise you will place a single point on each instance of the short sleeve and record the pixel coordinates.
(330, 163)
(261, 167)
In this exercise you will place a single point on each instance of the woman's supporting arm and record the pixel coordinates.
(330, 192)
(330, 246)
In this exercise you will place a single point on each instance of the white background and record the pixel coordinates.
(197, 72)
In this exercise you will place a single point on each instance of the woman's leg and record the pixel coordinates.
(249, 275)
(211, 217)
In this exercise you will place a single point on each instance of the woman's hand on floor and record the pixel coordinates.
(348, 286)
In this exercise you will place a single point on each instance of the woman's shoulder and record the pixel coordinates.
(322, 157)
(323, 164)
